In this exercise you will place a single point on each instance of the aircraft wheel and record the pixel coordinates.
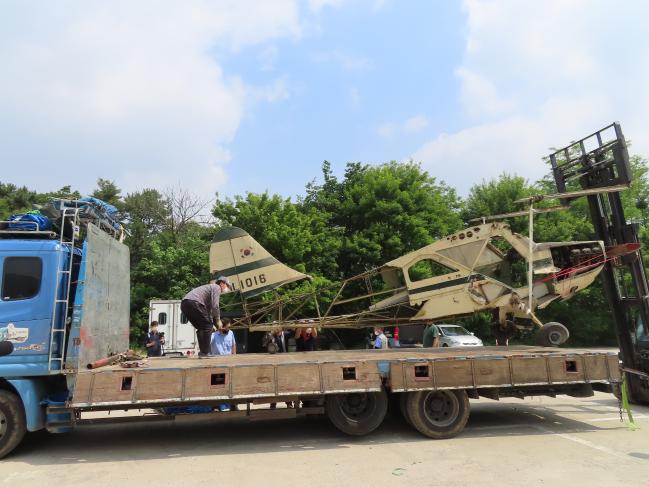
(403, 403)
(552, 335)
(357, 413)
(438, 414)
(12, 422)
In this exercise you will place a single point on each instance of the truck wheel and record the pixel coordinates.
(357, 413)
(403, 400)
(438, 414)
(12, 422)
(552, 335)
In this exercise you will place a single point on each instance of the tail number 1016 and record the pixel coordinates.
(253, 281)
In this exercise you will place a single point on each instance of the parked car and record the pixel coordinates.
(457, 336)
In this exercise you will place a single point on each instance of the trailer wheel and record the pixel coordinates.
(403, 402)
(357, 413)
(438, 414)
(552, 335)
(12, 422)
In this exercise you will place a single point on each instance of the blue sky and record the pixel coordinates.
(235, 96)
(358, 72)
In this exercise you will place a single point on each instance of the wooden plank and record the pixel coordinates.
(253, 381)
(112, 386)
(351, 376)
(303, 378)
(529, 370)
(397, 380)
(82, 388)
(453, 373)
(614, 368)
(568, 368)
(491, 372)
(153, 385)
(418, 376)
(595, 367)
(206, 383)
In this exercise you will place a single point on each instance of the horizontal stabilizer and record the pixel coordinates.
(250, 267)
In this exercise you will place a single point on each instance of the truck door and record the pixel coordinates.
(185, 337)
(163, 313)
(27, 298)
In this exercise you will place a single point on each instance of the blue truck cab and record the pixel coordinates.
(42, 282)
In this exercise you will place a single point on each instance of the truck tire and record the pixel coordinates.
(357, 413)
(12, 422)
(552, 334)
(403, 400)
(438, 414)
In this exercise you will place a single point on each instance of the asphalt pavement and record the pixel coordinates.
(537, 441)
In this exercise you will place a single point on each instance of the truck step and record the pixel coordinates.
(59, 419)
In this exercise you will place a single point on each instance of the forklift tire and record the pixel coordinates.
(357, 413)
(12, 422)
(438, 414)
(552, 335)
(403, 400)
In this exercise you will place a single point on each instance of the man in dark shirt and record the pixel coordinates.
(201, 307)
(154, 341)
(431, 336)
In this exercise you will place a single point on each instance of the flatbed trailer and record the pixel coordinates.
(353, 387)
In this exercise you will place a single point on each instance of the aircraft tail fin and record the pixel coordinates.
(250, 267)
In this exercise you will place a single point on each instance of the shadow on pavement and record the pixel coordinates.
(146, 441)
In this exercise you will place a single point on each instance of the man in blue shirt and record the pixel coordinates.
(223, 342)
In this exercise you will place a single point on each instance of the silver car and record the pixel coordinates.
(457, 336)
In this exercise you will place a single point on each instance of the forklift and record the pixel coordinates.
(597, 165)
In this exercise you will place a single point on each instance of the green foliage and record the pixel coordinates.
(297, 235)
(109, 192)
(383, 211)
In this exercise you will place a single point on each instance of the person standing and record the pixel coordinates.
(223, 343)
(431, 336)
(154, 341)
(381, 341)
(305, 339)
(201, 307)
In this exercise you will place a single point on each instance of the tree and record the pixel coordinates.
(147, 213)
(185, 209)
(109, 192)
(383, 211)
(294, 233)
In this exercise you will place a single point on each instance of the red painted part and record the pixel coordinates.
(623, 249)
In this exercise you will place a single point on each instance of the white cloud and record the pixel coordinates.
(415, 124)
(130, 91)
(317, 5)
(538, 75)
(386, 130)
(410, 126)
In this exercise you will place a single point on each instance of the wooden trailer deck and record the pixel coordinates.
(250, 376)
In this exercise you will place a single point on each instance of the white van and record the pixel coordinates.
(180, 335)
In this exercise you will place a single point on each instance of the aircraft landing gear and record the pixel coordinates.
(552, 334)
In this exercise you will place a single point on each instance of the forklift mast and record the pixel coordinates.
(600, 161)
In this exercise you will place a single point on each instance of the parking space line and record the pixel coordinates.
(583, 442)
